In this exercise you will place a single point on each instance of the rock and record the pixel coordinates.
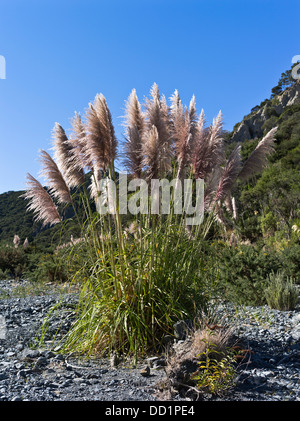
(167, 340)
(4, 376)
(156, 362)
(24, 373)
(145, 372)
(181, 329)
(16, 398)
(151, 361)
(48, 354)
(59, 358)
(40, 362)
(29, 354)
(252, 126)
(114, 360)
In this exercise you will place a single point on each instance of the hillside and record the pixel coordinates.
(269, 204)
(15, 219)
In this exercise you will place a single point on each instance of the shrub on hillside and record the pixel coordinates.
(281, 293)
(13, 261)
(244, 270)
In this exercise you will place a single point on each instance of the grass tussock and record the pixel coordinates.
(281, 293)
(203, 363)
(137, 282)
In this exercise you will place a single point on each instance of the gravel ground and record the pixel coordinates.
(27, 373)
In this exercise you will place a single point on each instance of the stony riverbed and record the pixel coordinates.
(42, 374)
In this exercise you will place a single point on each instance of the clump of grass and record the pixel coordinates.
(131, 307)
(281, 293)
(203, 363)
(136, 285)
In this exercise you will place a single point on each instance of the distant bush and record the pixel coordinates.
(4, 274)
(13, 261)
(281, 294)
(244, 270)
(49, 267)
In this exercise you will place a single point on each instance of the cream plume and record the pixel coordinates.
(157, 114)
(134, 131)
(151, 153)
(66, 157)
(57, 183)
(79, 142)
(101, 139)
(258, 159)
(209, 149)
(229, 174)
(40, 202)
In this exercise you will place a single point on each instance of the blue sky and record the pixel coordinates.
(60, 54)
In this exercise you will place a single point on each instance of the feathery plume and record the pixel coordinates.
(65, 154)
(94, 185)
(108, 130)
(157, 114)
(133, 148)
(51, 172)
(192, 109)
(201, 121)
(230, 174)
(134, 114)
(40, 202)
(78, 140)
(62, 149)
(16, 240)
(151, 153)
(101, 139)
(193, 115)
(95, 152)
(216, 140)
(26, 244)
(182, 137)
(134, 125)
(201, 150)
(211, 185)
(208, 149)
(176, 108)
(258, 159)
(177, 117)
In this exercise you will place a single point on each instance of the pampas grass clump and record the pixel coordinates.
(137, 282)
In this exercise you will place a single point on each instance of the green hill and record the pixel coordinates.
(269, 204)
(16, 220)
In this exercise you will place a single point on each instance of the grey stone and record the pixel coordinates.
(41, 361)
(16, 398)
(30, 354)
(4, 376)
(182, 328)
(145, 372)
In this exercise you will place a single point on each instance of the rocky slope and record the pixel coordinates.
(252, 125)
